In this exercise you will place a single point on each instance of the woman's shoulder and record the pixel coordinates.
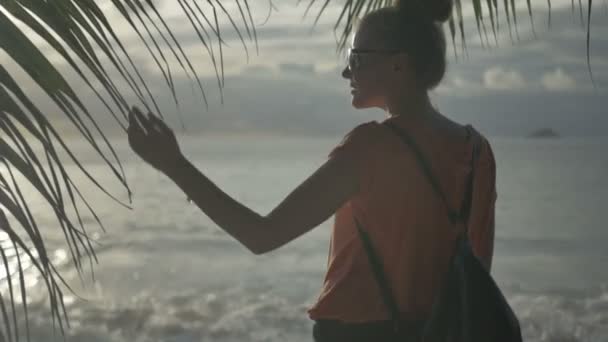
(360, 138)
(365, 132)
(368, 127)
(455, 133)
(484, 155)
(479, 139)
(453, 130)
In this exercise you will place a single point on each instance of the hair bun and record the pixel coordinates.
(434, 10)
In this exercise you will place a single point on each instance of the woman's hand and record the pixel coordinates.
(153, 140)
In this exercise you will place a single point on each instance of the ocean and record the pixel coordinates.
(167, 273)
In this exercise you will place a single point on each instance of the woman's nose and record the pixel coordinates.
(346, 73)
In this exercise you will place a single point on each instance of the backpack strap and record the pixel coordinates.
(454, 216)
(465, 209)
(378, 270)
(463, 215)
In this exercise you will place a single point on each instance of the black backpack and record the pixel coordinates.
(469, 307)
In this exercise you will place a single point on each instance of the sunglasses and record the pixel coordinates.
(353, 56)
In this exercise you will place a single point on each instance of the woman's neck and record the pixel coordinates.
(411, 105)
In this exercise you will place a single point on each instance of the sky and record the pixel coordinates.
(292, 86)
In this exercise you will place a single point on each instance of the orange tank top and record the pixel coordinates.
(406, 220)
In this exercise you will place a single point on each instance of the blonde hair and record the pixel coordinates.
(415, 26)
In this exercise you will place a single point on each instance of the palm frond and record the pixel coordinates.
(353, 9)
(81, 34)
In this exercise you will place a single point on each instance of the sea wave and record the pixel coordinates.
(243, 313)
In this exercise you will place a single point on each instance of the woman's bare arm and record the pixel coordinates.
(307, 206)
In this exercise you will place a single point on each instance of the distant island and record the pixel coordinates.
(544, 133)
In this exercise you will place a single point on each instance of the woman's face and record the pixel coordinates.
(371, 74)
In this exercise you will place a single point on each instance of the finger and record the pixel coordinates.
(141, 119)
(154, 126)
(133, 124)
(135, 127)
(134, 112)
(135, 132)
(132, 118)
(136, 139)
(160, 124)
(133, 121)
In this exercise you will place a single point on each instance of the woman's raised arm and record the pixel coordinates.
(307, 206)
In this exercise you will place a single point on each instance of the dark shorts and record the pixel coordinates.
(379, 331)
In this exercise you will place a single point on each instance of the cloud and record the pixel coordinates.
(296, 68)
(257, 70)
(558, 80)
(293, 85)
(496, 78)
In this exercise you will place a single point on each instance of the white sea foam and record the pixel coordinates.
(234, 314)
(246, 314)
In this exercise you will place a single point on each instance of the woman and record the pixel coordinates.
(398, 55)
